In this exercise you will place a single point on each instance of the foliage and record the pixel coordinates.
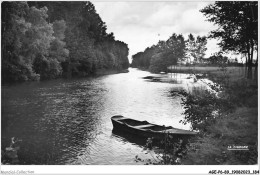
(90, 46)
(237, 26)
(221, 124)
(143, 59)
(237, 129)
(57, 48)
(170, 52)
(196, 48)
(203, 109)
(173, 49)
(46, 67)
(167, 151)
(43, 40)
(157, 63)
(217, 59)
(236, 21)
(33, 36)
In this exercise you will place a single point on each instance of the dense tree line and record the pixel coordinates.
(237, 31)
(170, 52)
(45, 40)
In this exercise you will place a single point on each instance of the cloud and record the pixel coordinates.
(212, 47)
(142, 24)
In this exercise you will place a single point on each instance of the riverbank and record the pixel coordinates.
(226, 122)
(100, 72)
(222, 143)
(235, 126)
(204, 69)
(210, 72)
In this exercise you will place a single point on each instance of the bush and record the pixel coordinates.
(47, 68)
(222, 124)
(239, 128)
(202, 109)
(167, 151)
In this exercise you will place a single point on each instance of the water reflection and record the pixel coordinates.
(127, 137)
(68, 121)
(173, 78)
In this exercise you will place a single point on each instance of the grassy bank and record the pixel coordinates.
(235, 129)
(233, 72)
(232, 127)
(229, 74)
(204, 69)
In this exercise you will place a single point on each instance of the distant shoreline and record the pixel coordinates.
(99, 72)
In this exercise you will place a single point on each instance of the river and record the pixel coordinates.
(67, 121)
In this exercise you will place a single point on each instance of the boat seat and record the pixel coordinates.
(144, 126)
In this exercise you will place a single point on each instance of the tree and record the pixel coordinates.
(38, 41)
(143, 59)
(26, 35)
(172, 51)
(136, 59)
(90, 46)
(45, 39)
(190, 47)
(195, 48)
(158, 64)
(57, 48)
(165, 53)
(237, 26)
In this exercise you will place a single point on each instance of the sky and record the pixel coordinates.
(142, 24)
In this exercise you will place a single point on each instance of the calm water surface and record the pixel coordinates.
(68, 121)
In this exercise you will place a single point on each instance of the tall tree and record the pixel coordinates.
(26, 36)
(195, 48)
(38, 48)
(237, 26)
(173, 50)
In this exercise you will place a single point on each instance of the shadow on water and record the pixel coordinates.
(128, 137)
(141, 141)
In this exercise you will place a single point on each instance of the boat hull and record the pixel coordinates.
(120, 126)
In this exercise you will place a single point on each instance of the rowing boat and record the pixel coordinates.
(146, 129)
